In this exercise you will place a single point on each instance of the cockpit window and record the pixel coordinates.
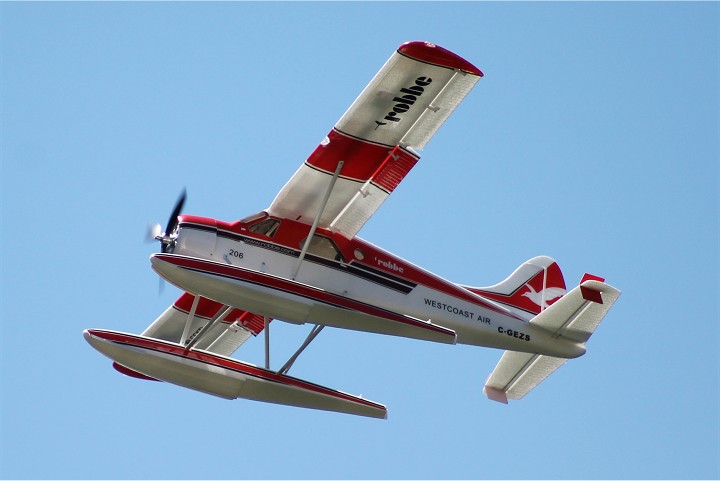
(252, 218)
(323, 247)
(267, 227)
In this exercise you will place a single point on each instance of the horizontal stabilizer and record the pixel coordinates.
(575, 317)
(518, 373)
(578, 313)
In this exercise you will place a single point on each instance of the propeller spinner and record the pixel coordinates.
(165, 238)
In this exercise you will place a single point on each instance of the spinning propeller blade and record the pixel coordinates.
(153, 231)
(173, 220)
(164, 236)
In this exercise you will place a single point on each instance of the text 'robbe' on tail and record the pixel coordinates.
(574, 317)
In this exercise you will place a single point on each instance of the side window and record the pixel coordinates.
(268, 227)
(323, 247)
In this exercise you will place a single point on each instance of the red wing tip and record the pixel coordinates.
(434, 54)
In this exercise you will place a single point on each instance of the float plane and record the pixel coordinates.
(301, 261)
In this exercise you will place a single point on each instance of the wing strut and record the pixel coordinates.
(218, 317)
(317, 218)
(313, 334)
(191, 316)
(267, 342)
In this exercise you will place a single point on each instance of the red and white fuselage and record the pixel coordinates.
(255, 265)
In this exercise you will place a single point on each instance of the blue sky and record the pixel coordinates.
(593, 138)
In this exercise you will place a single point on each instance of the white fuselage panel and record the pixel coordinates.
(475, 320)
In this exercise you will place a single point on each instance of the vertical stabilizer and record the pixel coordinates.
(532, 288)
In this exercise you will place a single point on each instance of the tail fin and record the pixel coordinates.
(533, 287)
(574, 317)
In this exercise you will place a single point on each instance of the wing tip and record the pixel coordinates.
(437, 55)
(495, 394)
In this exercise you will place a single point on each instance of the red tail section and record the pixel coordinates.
(534, 286)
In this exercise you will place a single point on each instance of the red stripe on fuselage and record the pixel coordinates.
(296, 288)
(375, 258)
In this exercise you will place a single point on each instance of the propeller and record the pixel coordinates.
(155, 231)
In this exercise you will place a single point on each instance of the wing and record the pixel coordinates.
(214, 327)
(399, 111)
(227, 329)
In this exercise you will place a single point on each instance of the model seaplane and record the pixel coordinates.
(300, 261)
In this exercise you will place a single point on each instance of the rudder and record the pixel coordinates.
(534, 286)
